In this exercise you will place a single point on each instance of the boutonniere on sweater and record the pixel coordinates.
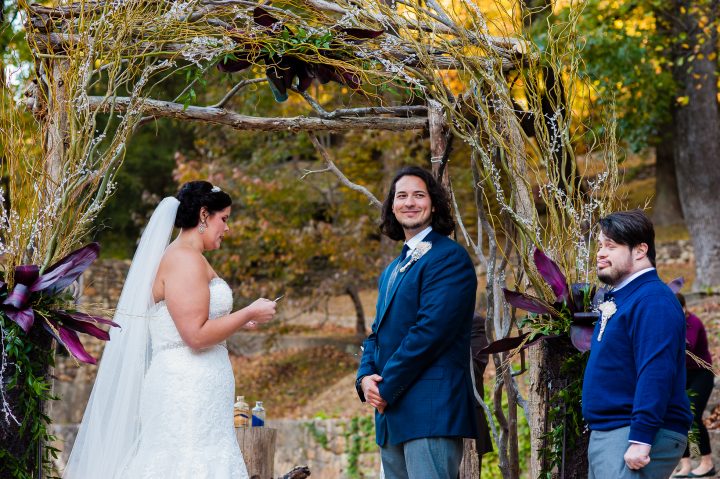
(419, 251)
(606, 309)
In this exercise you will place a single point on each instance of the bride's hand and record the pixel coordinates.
(261, 310)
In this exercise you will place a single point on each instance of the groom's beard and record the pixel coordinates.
(415, 225)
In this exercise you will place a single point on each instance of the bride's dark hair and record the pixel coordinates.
(193, 195)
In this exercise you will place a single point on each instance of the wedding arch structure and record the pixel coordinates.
(99, 69)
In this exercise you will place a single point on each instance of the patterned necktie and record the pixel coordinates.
(393, 275)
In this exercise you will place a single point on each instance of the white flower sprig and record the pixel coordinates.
(419, 251)
(607, 309)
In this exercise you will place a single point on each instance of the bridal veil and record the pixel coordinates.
(110, 425)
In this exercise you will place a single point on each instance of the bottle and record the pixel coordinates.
(258, 415)
(241, 413)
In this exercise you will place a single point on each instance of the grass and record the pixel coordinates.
(287, 380)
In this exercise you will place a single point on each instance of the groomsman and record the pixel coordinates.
(415, 368)
(634, 398)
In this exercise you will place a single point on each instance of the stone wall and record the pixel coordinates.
(331, 448)
(324, 445)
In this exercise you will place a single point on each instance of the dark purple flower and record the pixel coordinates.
(281, 70)
(551, 274)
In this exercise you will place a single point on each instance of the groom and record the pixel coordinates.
(415, 368)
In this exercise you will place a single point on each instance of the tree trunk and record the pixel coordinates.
(354, 294)
(697, 125)
(667, 210)
(547, 379)
(538, 406)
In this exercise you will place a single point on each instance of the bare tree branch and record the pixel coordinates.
(219, 116)
(343, 179)
(400, 111)
(235, 89)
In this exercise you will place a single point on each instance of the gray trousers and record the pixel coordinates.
(424, 458)
(607, 448)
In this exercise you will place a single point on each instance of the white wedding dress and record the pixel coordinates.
(186, 405)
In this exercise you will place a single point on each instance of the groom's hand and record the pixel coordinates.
(372, 394)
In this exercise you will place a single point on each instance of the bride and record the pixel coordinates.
(161, 405)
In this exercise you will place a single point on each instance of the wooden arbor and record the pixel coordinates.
(100, 66)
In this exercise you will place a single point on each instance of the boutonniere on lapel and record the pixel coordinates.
(606, 309)
(419, 251)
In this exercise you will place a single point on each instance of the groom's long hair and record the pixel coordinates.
(442, 218)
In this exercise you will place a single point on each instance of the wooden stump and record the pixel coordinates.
(258, 448)
(469, 467)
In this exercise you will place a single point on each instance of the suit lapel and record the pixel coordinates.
(398, 279)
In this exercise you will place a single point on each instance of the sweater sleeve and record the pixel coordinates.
(658, 336)
(693, 332)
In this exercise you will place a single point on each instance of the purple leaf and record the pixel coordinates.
(23, 317)
(87, 318)
(551, 274)
(586, 319)
(232, 65)
(351, 79)
(60, 275)
(87, 328)
(676, 284)
(263, 18)
(326, 74)
(508, 344)
(276, 83)
(529, 303)
(360, 35)
(18, 297)
(579, 292)
(26, 274)
(581, 337)
(504, 344)
(70, 340)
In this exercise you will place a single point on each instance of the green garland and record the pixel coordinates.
(564, 418)
(26, 359)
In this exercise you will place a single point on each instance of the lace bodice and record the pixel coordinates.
(186, 407)
(163, 332)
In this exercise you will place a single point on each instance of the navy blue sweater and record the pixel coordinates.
(636, 374)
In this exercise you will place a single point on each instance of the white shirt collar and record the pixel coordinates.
(631, 277)
(415, 240)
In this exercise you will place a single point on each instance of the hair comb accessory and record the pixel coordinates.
(215, 189)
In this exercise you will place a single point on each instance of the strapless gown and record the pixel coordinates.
(186, 407)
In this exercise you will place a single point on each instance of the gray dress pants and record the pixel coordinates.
(607, 448)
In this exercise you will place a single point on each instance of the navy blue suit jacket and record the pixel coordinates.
(420, 345)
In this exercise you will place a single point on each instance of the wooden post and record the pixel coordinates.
(469, 467)
(258, 449)
(438, 142)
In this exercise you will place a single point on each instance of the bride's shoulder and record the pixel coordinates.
(178, 257)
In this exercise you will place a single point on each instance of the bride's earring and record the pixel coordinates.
(202, 227)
